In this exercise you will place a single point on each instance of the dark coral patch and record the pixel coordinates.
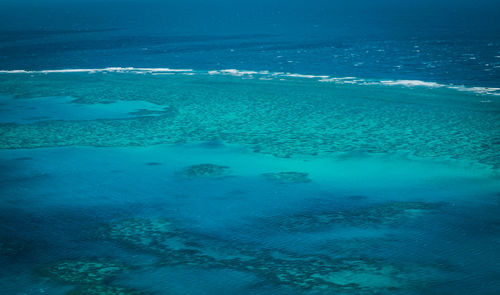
(81, 272)
(384, 214)
(288, 177)
(206, 170)
(173, 246)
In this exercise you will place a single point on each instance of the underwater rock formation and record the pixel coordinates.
(206, 170)
(288, 177)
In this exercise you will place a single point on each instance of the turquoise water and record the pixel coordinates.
(249, 147)
(154, 181)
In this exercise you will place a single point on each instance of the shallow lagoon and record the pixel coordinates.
(33, 110)
(282, 187)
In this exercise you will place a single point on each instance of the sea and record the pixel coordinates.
(249, 147)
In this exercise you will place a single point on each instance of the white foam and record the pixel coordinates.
(161, 70)
(337, 79)
(109, 69)
(478, 90)
(266, 75)
(157, 74)
(418, 83)
(412, 83)
(234, 72)
(305, 76)
(14, 72)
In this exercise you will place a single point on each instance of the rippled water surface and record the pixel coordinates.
(164, 182)
(249, 147)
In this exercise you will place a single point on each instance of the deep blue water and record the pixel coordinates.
(442, 41)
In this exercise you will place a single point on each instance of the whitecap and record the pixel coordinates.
(264, 75)
(411, 83)
(478, 90)
(305, 76)
(235, 72)
(108, 69)
(337, 79)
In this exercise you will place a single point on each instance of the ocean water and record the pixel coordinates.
(237, 148)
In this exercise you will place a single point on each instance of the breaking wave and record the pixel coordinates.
(267, 75)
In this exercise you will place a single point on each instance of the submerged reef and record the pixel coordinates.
(81, 272)
(167, 111)
(288, 177)
(342, 274)
(103, 290)
(206, 170)
(160, 237)
(90, 276)
(8, 248)
(282, 118)
(174, 246)
(385, 214)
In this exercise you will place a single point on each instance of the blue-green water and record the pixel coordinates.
(249, 147)
(128, 181)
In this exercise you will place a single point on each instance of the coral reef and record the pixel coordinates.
(174, 247)
(363, 275)
(90, 276)
(384, 214)
(103, 290)
(315, 272)
(206, 170)
(288, 177)
(283, 118)
(81, 272)
(339, 274)
(167, 111)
